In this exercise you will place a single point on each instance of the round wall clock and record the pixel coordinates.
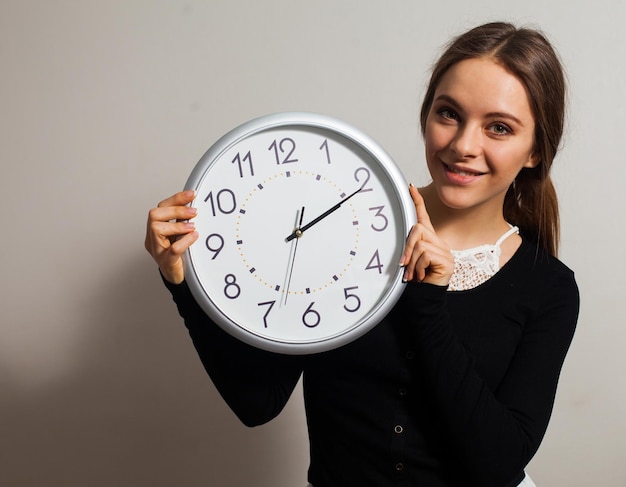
(302, 221)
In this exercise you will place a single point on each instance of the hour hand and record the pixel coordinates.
(297, 233)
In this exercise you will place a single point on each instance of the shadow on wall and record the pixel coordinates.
(137, 409)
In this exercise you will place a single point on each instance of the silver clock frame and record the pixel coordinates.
(408, 218)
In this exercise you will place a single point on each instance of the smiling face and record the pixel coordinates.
(479, 134)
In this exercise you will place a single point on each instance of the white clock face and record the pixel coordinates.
(302, 223)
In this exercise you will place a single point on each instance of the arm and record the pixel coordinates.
(495, 431)
(255, 384)
(493, 428)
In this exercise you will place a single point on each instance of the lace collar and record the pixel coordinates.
(474, 266)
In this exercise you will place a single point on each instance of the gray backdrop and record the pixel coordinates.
(105, 108)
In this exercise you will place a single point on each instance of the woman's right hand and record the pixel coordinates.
(170, 233)
(426, 257)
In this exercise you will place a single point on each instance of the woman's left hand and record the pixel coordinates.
(426, 258)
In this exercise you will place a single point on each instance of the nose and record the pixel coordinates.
(467, 142)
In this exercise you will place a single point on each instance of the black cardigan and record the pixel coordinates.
(451, 388)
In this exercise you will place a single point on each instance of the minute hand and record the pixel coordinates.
(297, 233)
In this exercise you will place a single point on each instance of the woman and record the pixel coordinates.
(468, 361)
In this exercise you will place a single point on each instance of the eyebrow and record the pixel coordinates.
(509, 116)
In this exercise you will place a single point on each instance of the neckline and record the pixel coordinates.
(501, 274)
(514, 229)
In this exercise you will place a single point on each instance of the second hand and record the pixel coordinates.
(293, 257)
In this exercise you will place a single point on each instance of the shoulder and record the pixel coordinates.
(536, 262)
(551, 282)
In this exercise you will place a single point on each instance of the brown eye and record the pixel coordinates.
(500, 129)
(448, 113)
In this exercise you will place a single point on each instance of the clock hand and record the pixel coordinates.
(292, 257)
(297, 233)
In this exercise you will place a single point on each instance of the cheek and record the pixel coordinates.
(509, 160)
(435, 139)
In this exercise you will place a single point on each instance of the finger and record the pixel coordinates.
(180, 245)
(164, 231)
(420, 207)
(169, 213)
(417, 262)
(429, 263)
(161, 235)
(163, 222)
(409, 245)
(170, 233)
(171, 262)
(179, 199)
(418, 232)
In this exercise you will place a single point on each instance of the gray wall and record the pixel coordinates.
(106, 107)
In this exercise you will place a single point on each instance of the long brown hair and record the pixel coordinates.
(530, 202)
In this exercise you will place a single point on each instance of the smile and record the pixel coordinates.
(462, 172)
(461, 176)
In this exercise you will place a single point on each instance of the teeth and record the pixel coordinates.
(461, 172)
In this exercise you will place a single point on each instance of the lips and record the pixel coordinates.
(465, 172)
(461, 176)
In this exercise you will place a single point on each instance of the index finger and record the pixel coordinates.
(179, 199)
(420, 207)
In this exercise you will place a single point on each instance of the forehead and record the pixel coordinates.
(482, 85)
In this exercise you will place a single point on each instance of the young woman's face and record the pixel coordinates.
(479, 134)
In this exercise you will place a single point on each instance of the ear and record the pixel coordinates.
(533, 160)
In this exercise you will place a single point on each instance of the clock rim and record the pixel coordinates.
(370, 146)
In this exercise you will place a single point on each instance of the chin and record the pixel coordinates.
(454, 198)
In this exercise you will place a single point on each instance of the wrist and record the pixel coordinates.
(172, 277)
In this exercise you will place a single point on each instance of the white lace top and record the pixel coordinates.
(474, 266)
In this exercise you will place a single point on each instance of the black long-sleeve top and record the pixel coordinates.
(451, 388)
